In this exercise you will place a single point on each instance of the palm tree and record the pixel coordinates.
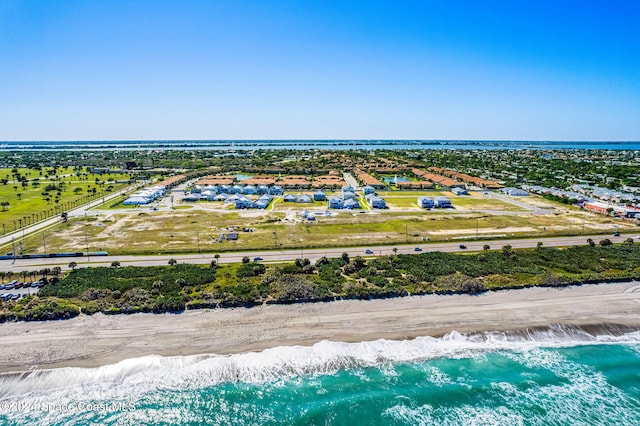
(395, 250)
(172, 262)
(115, 264)
(72, 265)
(217, 258)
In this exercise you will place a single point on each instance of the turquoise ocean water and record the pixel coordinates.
(553, 376)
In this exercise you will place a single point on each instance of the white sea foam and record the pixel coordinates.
(133, 377)
(465, 415)
(584, 397)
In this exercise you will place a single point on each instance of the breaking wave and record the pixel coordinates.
(136, 376)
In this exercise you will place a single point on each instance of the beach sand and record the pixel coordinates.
(90, 341)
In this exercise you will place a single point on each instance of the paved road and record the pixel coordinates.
(351, 181)
(311, 254)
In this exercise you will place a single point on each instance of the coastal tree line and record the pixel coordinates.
(177, 287)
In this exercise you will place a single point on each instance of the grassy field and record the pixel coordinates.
(413, 194)
(279, 205)
(402, 202)
(478, 203)
(187, 230)
(33, 202)
(463, 203)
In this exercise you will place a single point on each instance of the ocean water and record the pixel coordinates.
(553, 376)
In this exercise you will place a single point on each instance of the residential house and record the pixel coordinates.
(443, 203)
(376, 202)
(335, 203)
(319, 196)
(276, 190)
(515, 192)
(249, 190)
(426, 202)
(348, 195)
(304, 198)
(351, 204)
(459, 191)
(244, 203)
(368, 190)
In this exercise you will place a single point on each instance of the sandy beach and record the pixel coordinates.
(89, 341)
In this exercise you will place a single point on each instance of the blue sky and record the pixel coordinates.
(266, 69)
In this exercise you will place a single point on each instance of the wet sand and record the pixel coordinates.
(89, 341)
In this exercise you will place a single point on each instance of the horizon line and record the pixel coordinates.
(322, 140)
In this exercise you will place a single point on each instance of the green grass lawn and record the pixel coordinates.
(28, 204)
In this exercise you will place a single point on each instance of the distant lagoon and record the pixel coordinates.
(244, 145)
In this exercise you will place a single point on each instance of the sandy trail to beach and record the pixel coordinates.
(89, 341)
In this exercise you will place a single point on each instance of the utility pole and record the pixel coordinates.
(44, 242)
(86, 240)
(275, 238)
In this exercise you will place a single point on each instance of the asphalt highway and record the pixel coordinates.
(311, 254)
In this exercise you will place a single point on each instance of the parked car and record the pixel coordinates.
(462, 246)
(616, 234)
(15, 296)
(417, 249)
(1, 286)
(368, 251)
(257, 259)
